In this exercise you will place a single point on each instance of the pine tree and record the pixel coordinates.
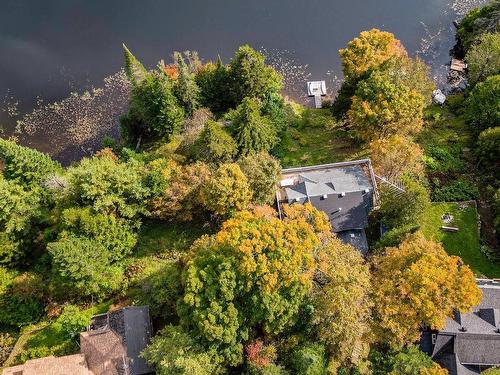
(135, 71)
(186, 89)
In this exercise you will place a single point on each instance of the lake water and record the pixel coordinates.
(53, 47)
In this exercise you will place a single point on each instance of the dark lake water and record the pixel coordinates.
(53, 47)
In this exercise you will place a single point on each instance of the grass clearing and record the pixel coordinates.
(464, 243)
(315, 138)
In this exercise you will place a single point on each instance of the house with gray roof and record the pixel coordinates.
(346, 192)
(470, 342)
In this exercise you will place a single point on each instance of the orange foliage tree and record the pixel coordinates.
(418, 284)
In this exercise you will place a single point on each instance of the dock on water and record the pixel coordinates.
(316, 89)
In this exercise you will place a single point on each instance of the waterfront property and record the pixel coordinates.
(470, 342)
(345, 191)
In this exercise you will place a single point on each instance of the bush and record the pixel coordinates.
(456, 191)
(395, 236)
(73, 321)
(444, 160)
(488, 148)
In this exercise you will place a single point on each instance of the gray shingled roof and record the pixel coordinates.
(472, 339)
(355, 238)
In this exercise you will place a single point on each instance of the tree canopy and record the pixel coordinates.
(482, 107)
(418, 284)
(483, 59)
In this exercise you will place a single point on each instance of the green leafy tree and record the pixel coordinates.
(482, 107)
(341, 302)
(109, 186)
(186, 89)
(115, 234)
(174, 352)
(254, 273)
(479, 21)
(368, 51)
(85, 266)
(214, 145)
(309, 359)
(263, 173)
(250, 76)
(20, 212)
(73, 321)
(406, 208)
(383, 107)
(488, 148)
(483, 59)
(492, 371)
(252, 132)
(411, 361)
(25, 165)
(228, 191)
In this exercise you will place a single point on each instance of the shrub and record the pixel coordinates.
(395, 236)
(488, 148)
(456, 191)
(444, 160)
(73, 321)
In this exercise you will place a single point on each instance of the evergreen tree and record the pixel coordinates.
(135, 71)
(214, 145)
(186, 89)
(252, 132)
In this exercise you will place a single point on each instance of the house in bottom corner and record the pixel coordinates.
(470, 342)
(346, 192)
(114, 341)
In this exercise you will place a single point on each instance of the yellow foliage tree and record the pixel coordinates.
(394, 156)
(418, 284)
(434, 370)
(317, 219)
(342, 302)
(228, 191)
(368, 51)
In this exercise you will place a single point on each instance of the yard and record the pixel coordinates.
(464, 243)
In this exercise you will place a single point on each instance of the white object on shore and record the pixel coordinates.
(438, 96)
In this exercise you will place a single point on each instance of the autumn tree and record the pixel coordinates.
(186, 89)
(382, 107)
(252, 132)
(228, 191)
(181, 197)
(368, 51)
(397, 155)
(342, 302)
(263, 172)
(214, 145)
(253, 274)
(418, 284)
(482, 107)
(250, 76)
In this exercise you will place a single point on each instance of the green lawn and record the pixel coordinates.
(315, 138)
(464, 243)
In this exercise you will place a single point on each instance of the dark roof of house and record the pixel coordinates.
(355, 238)
(133, 325)
(470, 340)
